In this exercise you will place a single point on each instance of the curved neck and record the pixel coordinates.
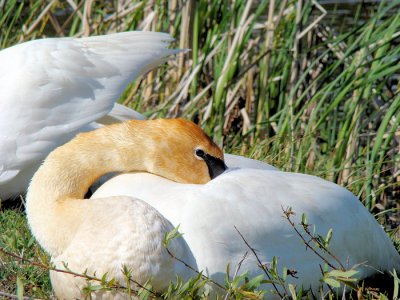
(54, 204)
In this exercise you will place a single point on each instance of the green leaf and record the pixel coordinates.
(343, 274)
(328, 237)
(396, 285)
(104, 278)
(292, 291)
(383, 297)
(20, 288)
(253, 283)
(97, 287)
(304, 219)
(332, 282)
(173, 234)
(284, 273)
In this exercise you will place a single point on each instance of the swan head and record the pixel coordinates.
(179, 150)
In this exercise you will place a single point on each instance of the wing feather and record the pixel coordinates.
(51, 88)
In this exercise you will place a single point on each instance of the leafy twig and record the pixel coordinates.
(236, 272)
(287, 213)
(67, 271)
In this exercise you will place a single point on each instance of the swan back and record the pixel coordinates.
(252, 200)
(241, 162)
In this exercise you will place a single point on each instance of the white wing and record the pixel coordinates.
(52, 88)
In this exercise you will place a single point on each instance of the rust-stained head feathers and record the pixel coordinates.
(178, 150)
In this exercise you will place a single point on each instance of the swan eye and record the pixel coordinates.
(200, 153)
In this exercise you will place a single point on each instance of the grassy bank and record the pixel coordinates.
(266, 79)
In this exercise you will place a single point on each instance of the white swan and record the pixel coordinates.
(53, 88)
(252, 200)
(102, 235)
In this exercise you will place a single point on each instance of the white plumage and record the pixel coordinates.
(117, 232)
(53, 88)
(252, 200)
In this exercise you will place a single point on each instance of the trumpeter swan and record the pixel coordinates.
(252, 200)
(53, 88)
(102, 235)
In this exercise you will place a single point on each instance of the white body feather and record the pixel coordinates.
(120, 232)
(252, 200)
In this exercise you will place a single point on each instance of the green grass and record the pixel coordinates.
(17, 276)
(326, 104)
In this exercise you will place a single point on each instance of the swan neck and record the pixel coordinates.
(74, 167)
(55, 204)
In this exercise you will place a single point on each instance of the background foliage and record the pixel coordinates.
(267, 79)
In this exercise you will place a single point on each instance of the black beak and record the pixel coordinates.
(216, 166)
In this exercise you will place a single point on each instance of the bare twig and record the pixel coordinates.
(76, 11)
(316, 22)
(262, 266)
(56, 25)
(39, 19)
(11, 296)
(194, 270)
(119, 14)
